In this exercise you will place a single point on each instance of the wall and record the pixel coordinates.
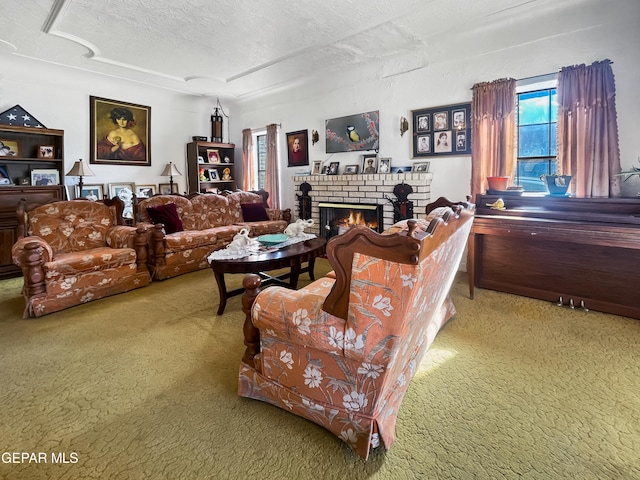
(59, 98)
(517, 48)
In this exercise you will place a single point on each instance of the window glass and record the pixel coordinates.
(536, 129)
(261, 159)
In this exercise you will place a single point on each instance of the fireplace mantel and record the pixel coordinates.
(370, 188)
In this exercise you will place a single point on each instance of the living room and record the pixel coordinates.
(523, 42)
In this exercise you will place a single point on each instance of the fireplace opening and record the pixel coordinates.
(337, 218)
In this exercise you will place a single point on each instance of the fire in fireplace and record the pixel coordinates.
(336, 218)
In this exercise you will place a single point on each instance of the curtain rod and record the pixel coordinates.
(265, 127)
(551, 73)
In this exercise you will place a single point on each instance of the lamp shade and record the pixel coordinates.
(80, 169)
(170, 170)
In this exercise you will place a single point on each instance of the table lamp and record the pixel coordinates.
(80, 169)
(169, 171)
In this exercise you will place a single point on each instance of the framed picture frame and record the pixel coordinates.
(9, 148)
(120, 132)
(333, 168)
(317, 168)
(298, 148)
(213, 155)
(145, 191)
(90, 192)
(351, 169)
(46, 151)
(213, 175)
(165, 188)
(45, 176)
(369, 163)
(420, 167)
(5, 178)
(448, 125)
(124, 191)
(384, 165)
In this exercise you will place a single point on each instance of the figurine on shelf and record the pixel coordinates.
(202, 175)
(226, 174)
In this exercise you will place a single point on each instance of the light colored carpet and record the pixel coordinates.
(143, 386)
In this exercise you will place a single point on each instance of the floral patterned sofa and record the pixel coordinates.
(342, 351)
(73, 252)
(200, 224)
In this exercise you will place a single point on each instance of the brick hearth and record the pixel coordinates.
(371, 188)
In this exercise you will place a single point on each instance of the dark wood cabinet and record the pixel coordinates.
(211, 167)
(578, 251)
(19, 163)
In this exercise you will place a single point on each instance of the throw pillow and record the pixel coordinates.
(254, 212)
(166, 214)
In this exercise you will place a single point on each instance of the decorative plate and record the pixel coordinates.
(273, 239)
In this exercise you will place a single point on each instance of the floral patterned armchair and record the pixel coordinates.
(73, 252)
(342, 351)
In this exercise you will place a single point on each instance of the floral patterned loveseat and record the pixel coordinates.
(73, 252)
(201, 224)
(342, 351)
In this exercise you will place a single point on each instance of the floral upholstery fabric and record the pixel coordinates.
(350, 376)
(83, 256)
(210, 222)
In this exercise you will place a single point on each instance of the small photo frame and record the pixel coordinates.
(461, 140)
(5, 179)
(441, 121)
(317, 167)
(46, 151)
(442, 142)
(420, 167)
(90, 192)
(42, 177)
(213, 175)
(369, 163)
(124, 191)
(351, 169)
(424, 143)
(201, 159)
(384, 165)
(423, 123)
(459, 119)
(333, 168)
(165, 188)
(9, 148)
(213, 155)
(145, 191)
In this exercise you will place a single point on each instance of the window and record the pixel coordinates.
(536, 143)
(261, 159)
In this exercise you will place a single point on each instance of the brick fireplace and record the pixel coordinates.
(370, 189)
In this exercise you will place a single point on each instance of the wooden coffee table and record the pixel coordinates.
(292, 256)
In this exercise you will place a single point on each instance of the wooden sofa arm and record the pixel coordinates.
(18, 250)
(32, 254)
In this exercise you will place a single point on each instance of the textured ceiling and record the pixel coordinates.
(239, 48)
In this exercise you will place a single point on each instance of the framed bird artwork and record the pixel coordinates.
(353, 133)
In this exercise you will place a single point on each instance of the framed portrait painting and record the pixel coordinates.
(441, 131)
(119, 132)
(298, 148)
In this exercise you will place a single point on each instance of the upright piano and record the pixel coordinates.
(580, 252)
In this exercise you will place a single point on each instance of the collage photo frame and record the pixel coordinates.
(442, 131)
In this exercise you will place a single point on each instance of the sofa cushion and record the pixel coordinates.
(168, 215)
(254, 212)
(183, 206)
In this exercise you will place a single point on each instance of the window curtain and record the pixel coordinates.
(248, 167)
(271, 180)
(493, 131)
(588, 147)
